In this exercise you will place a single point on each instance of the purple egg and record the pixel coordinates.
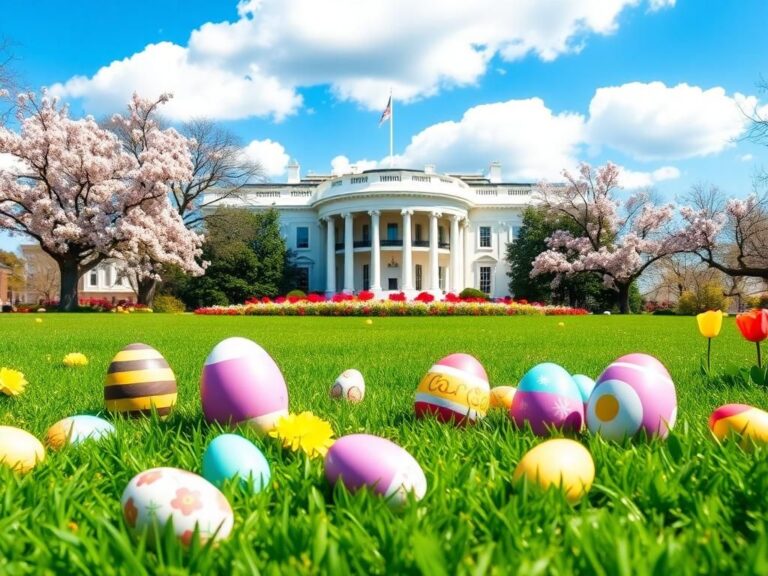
(546, 398)
(241, 383)
(364, 460)
(633, 394)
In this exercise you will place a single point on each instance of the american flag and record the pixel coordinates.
(387, 114)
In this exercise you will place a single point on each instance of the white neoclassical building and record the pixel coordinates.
(391, 230)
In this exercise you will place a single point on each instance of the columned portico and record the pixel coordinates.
(375, 251)
(434, 273)
(330, 253)
(349, 266)
(407, 247)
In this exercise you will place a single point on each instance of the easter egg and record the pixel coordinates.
(349, 386)
(232, 456)
(19, 449)
(454, 390)
(547, 397)
(560, 463)
(77, 429)
(155, 497)
(241, 383)
(364, 460)
(501, 397)
(741, 421)
(139, 379)
(633, 394)
(585, 384)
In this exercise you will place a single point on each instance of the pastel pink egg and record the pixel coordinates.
(242, 383)
(455, 389)
(634, 394)
(364, 460)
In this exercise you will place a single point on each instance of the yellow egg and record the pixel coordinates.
(559, 462)
(501, 397)
(19, 449)
(138, 379)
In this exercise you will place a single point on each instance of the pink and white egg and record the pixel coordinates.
(367, 461)
(635, 394)
(161, 495)
(242, 383)
(349, 386)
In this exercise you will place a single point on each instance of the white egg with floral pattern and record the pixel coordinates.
(155, 497)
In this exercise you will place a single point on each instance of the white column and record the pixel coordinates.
(330, 256)
(462, 254)
(468, 255)
(407, 260)
(455, 251)
(349, 255)
(375, 251)
(433, 262)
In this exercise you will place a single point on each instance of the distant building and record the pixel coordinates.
(391, 230)
(108, 280)
(5, 293)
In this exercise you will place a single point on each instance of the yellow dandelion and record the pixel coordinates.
(305, 432)
(38, 320)
(369, 321)
(561, 324)
(12, 382)
(75, 359)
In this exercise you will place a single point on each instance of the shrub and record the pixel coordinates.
(296, 294)
(473, 293)
(424, 297)
(709, 297)
(365, 296)
(168, 304)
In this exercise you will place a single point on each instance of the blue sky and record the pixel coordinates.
(653, 85)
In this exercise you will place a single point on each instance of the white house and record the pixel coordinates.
(395, 229)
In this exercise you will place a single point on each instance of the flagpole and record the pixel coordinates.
(391, 127)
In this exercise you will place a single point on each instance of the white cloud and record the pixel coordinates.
(529, 140)
(655, 5)
(746, 158)
(631, 179)
(341, 165)
(255, 65)
(654, 122)
(271, 155)
(200, 89)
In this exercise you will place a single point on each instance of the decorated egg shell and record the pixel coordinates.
(560, 463)
(547, 397)
(585, 384)
(454, 390)
(232, 456)
(138, 379)
(349, 386)
(501, 397)
(19, 449)
(364, 460)
(77, 429)
(155, 497)
(241, 383)
(742, 421)
(633, 394)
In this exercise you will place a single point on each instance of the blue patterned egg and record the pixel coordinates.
(547, 397)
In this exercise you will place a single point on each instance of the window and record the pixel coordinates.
(440, 235)
(485, 236)
(485, 279)
(302, 237)
(392, 231)
(93, 278)
(108, 276)
(514, 233)
(441, 277)
(120, 280)
(392, 284)
(366, 234)
(366, 277)
(302, 279)
(418, 276)
(418, 232)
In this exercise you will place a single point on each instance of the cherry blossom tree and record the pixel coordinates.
(79, 193)
(618, 241)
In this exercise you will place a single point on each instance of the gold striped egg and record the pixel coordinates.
(138, 379)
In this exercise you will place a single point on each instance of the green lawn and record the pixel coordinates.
(687, 505)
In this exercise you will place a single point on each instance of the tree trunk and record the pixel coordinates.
(69, 270)
(624, 298)
(147, 287)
